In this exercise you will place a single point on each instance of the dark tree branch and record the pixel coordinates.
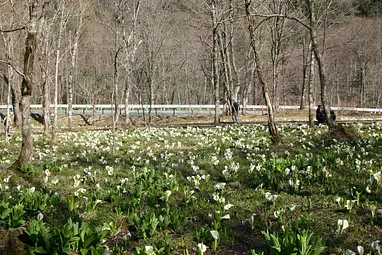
(12, 30)
(285, 16)
(14, 68)
(5, 78)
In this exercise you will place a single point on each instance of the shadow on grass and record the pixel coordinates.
(10, 243)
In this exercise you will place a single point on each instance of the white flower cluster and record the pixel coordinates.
(271, 198)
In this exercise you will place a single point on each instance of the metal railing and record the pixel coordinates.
(179, 107)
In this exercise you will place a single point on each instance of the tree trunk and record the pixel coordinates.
(15, 89)
(277, 30)
(55, 119)
(253, 78)
(274, 82)
(113, 113)
(233, 69)
(55, 100)
(311, 86)
(71, 80)
(320, 62)
(16, 104)
(116, 88)
(7, 120)
(305, 64)
(151, 92)
(114, 98)
(46, 100)
(271, 118)
(8, 80)
(362, 88)
(70, 86)
(215, 67)
(227, 73)
(126, 96)
(44, 66)
(74, 50)
(26, 152)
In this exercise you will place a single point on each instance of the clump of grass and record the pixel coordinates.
(343, 133)
(283, 145)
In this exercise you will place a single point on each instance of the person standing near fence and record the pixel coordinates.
(7, 122)
(235, 110)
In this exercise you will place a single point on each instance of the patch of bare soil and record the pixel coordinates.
(9, 242)
(4, 239)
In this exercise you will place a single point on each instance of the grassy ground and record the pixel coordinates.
(104, 121)
(163, 187)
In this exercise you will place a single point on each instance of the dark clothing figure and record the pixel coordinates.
(321, 116)
(235, 111)
(333, 115)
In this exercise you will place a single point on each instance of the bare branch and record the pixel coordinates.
(13, 67)
(13, 9)
(46, 72)
(12, 30)
(270, 16)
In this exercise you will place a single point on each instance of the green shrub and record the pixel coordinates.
(71, 237)
(289, 242)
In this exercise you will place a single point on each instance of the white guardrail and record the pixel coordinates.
(101, 107)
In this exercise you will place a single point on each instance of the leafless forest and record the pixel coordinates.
(193, 51)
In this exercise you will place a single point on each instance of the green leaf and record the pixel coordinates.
(91, 240)
(5, 213)
(84, 251)
(41, 250)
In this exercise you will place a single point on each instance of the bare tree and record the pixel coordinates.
(64, 13)
(37, 9)
(310, 85)
(16, 102)
(277, 38)
(44, 63)
(121, 19)
(363, 45)
(74, 51)
(320, 61)
(131, 44)
(226, 46)
(271, 118)
(114, 20)
(10, 73)
(10, 38)
(215, 66)
(7, 121)
(204, 59)
(155, 34)
(312, 25)
(305, 61)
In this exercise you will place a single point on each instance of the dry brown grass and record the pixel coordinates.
(105, 121)
(343, 133)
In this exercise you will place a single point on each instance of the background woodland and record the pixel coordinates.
(161, 51)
